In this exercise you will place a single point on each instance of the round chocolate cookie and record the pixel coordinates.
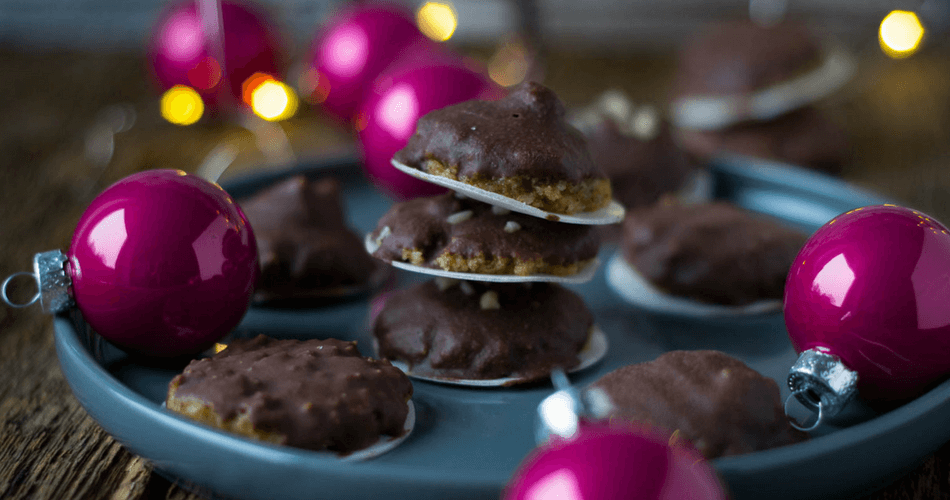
(521, 147)
(303, 241)
(739, 57)
(465, 235)
(708, 397)
(714, 252)
(472, 330)
(641, 168)
(313, 394)
(805, 137)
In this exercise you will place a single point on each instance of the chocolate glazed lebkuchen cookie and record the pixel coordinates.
(473, 330)
(715, 253)
(313, 394)
(465, 235)
(521, 147)
(303, 240)
(708, 397)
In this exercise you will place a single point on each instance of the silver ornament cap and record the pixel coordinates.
(52, 283)
(821, 382)
(560, 413)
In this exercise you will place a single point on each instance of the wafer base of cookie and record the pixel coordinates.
(559, 197)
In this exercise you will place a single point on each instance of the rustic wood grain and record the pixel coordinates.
(50, 448)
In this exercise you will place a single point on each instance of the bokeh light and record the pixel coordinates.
(509, 65)
(346, 51)
(182, 105)
(181, 37)
(313, 86)
(206, 74)
(437, 21)
(274, 101)
(900, 34)
(251, 84)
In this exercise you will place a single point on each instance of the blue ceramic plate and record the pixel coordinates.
(467, 441)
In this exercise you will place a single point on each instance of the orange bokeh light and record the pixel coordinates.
(251, 84)
(313, 86)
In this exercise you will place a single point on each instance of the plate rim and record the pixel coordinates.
(79, 367)
(76, 359)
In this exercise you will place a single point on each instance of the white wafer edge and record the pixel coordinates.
(583, 275)
(716, 112)
(637, 290)
(385, 443)
(611, 214)
(593, 352)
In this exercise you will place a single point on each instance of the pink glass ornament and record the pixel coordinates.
(185, 50)
(387, 117)
(163, 263)
(355, 46)
(607, 463)
(867, 302)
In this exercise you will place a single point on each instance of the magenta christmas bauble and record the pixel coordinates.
(870, 290)
(608, 463)
(355, 46)
(163, 263)
(215, 55)
(387, 117)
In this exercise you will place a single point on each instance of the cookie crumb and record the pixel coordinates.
(489, 300)
(459, 217)
(500, 210)
(512, 226)
(445, 283)
(383, 233)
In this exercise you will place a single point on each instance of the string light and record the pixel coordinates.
(900, 34)
(274, 101)
(182, 105)
(437, 21)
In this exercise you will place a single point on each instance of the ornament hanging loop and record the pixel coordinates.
(52, 283)
(6, 283)
(794, 423)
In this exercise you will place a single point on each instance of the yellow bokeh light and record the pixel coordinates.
(900, 34)
(274, 101)
(437, 20)
(509, 66)
(182, 105)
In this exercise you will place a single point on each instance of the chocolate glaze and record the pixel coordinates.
(423, 224)
(302, 238)
(713, 252)
(447, 333)
(640, 170)
(805, 137)
(740, 56)
(523, 135)
(320, 394)
(710, 398)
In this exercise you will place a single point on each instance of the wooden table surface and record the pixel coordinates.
(898, 113)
